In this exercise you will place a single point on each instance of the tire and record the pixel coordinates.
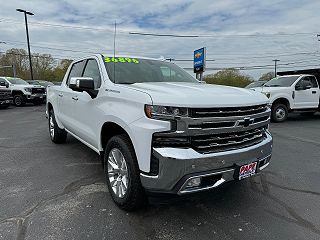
(119, 149)
(18, 100)
(279, 112)
(57, 134)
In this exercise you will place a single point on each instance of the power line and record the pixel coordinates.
(8, 20)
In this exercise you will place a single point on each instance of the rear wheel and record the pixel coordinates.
(123, 175)
(18, 100)
(279, 112)
(57, 134)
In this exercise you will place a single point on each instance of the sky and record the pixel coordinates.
(246, 34)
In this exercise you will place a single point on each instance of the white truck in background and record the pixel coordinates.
(158, 129)
(23, 92)
(299, 93)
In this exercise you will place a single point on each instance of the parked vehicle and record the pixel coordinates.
(5, 96)
(256, 84)
(23, 92)
(158, 129)
(33, 82)
(292, 93)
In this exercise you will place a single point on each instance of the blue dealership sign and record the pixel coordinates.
(199, 60)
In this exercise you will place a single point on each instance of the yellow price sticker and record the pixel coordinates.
(121, 60)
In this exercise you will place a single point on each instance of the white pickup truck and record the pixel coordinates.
(158, 129)
(292, 93)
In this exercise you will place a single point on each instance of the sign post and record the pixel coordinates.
(199, 62)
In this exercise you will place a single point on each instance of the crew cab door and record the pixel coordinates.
(306, 98)
(86, 112)
(66, 97)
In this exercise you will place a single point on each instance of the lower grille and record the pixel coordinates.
(38, 90)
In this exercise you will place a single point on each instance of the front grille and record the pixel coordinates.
(38, 90)
(227, 111)
(228, 141)
(210, 130)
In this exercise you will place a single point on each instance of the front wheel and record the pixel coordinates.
(123, 175)
(18, 100)
(57, 134)
(279, 112)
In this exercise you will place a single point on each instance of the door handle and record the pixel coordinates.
(60, 95)
(314, 92)
(75, 98)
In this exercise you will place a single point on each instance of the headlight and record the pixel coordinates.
(28, 89)
(165, 112)
(267, 94)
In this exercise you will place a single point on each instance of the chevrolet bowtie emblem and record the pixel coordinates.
(246, 122)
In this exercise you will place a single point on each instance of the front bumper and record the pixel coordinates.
(32, 97)
(177, 166)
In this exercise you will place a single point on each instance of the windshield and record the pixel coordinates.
(46, 84)
(281, 81)
(256, 84)
(17, 81)
(34, 82)
(134, 70)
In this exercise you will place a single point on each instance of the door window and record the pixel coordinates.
(92, 70)
(76, 70)
(313, 81)
(2, 82)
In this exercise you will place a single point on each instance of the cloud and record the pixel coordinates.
(230, 23)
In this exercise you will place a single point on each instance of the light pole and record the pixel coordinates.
(275, 66)
(27, 31)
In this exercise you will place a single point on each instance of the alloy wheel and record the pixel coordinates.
(117, 172)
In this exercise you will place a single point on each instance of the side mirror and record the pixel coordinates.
(83, 84)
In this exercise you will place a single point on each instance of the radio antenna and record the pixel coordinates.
(114, 51)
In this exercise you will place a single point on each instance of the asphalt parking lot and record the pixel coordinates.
(53, 191)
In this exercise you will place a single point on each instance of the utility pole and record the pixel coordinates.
(275, 66)
(27, 31)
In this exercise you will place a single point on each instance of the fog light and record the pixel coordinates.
(194, 182)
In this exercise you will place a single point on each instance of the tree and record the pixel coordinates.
(229, 77)
(267, 76)
(44, 65)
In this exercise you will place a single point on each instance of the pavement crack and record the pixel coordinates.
(293, 189)
(22, 219)
(296, 218)
(297, 139)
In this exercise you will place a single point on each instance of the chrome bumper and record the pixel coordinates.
(35, 96)
(177, 166)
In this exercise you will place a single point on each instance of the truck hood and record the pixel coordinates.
(199, 95)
